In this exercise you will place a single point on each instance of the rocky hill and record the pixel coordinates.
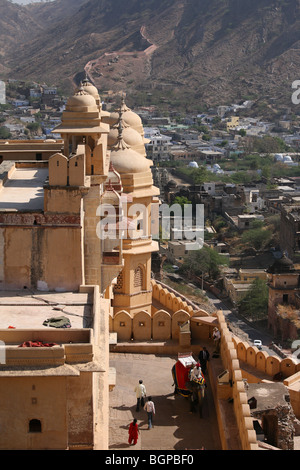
(210, 51)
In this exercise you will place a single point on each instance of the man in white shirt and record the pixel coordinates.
(196, 374)
(140, 391)
(150, 408)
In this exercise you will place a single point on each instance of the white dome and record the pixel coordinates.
(90, 89)
(193, 165)
(126, 160)
(130, 118)
(80, 100)
(131, 137)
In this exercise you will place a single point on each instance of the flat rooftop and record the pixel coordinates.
(24, 190)
(29, 309)
(268, 395)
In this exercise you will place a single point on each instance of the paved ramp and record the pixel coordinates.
(175, 428)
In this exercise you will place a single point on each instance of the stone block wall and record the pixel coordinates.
(263, 362)
(271, 366)
(247, 434)
(293, 385)
(162, 324)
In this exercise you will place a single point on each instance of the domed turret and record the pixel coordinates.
(81, 102)
(281, 266)
(131, 137)
(126, 160)
(89, 88)
(130, 118)
(171, 184)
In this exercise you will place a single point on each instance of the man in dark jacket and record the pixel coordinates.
(203, 358)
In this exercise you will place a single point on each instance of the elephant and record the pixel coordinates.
(197, 395)
(189, 387)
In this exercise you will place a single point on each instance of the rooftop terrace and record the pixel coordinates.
(29, 310)
(23, 190)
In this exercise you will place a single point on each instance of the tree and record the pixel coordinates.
(256, 238)
(199, 175)
(205, 261)
(4, 133)
(33, 126)
(255, 303)
(182, 201)
(219, 223)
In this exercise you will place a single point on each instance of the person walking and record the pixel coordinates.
(150, 408)
(203, 358)
(140, 391)
(133, 433)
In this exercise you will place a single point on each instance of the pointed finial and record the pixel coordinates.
(120, 125)
(120, 144)
(123, 106)
(80, 91)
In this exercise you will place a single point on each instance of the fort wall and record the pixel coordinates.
(160, 333)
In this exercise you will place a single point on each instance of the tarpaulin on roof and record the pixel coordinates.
(58, 322)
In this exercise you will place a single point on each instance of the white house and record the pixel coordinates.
(2, 92)
(159, 146)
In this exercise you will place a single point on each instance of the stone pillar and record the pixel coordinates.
(92, 243)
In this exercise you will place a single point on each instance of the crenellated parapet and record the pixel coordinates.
(233, 389)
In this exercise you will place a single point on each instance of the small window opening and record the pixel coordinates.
(35, 425)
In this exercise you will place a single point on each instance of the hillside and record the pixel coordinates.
(15, 27)
(213, 51)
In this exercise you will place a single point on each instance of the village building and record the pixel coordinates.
(237, 284)
(158, 146)
(284, 299)
(2, 92)
(289, 227)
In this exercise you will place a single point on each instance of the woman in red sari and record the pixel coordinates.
(133, 432)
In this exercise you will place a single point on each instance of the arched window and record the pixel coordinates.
(119, 285)
(138, 278)
(35, 425)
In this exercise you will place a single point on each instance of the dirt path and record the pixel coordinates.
(138, 61)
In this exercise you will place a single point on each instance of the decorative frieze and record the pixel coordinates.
(32, 219)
